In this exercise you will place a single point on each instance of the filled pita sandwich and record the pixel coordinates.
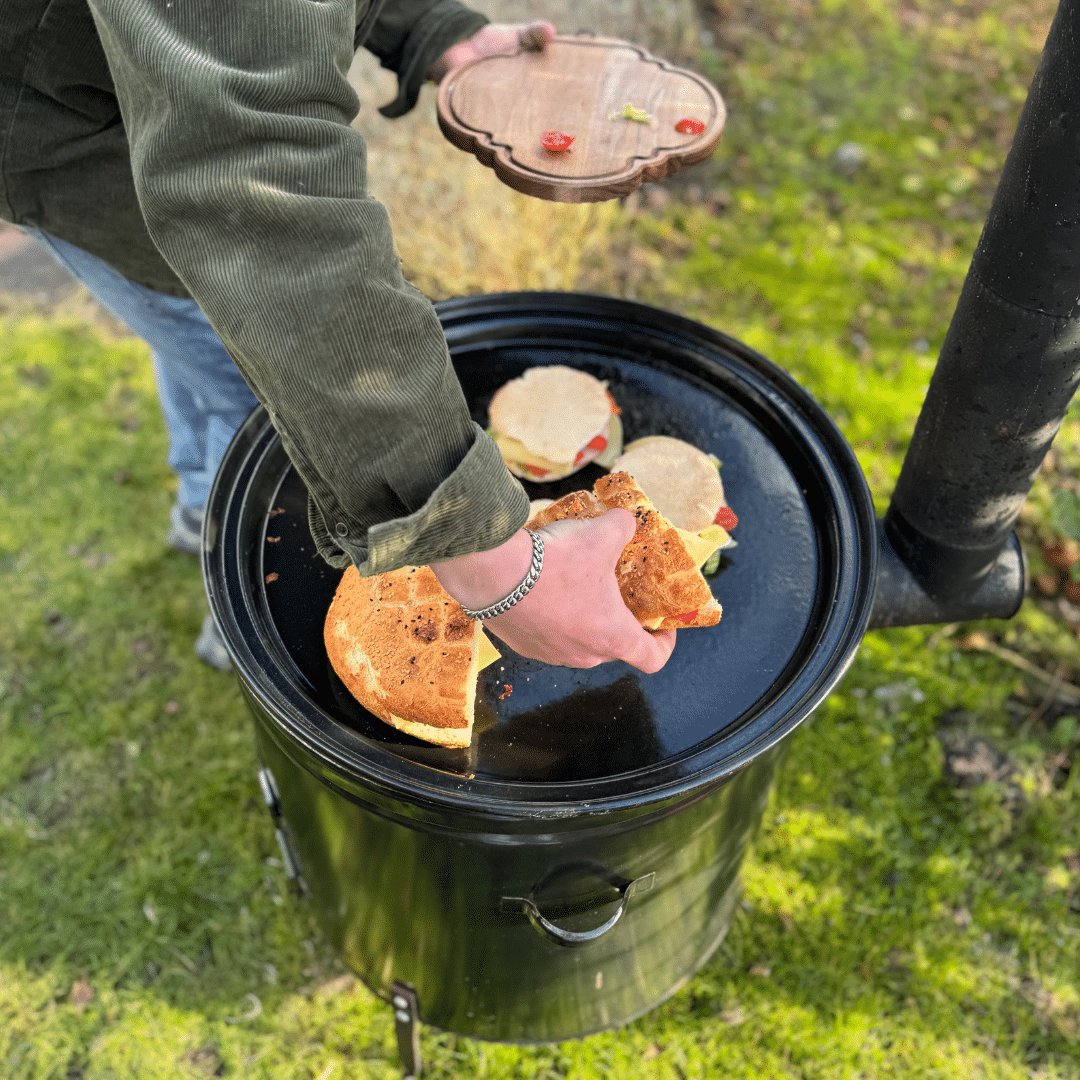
(683, 483)
(659, 571)
(408, 653)
(554, 420)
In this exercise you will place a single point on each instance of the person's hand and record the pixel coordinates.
(574, 615)
(492, 38)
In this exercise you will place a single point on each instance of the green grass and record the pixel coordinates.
(896, 923)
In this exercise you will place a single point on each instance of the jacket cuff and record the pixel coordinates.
(477, 507)
(443, 25)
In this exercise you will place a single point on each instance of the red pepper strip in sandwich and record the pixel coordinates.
(687, 616)
(726, 519)
(598, 443)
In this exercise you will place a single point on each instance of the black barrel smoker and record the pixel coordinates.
(580, 861)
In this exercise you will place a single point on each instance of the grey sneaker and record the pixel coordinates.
(185, 529)
(210, 648)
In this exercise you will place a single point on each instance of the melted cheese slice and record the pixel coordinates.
(520, 454)
(513, 450)
(700, 545)
(486, 653)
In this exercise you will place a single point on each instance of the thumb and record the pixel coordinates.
(537, 34)
(615, 530)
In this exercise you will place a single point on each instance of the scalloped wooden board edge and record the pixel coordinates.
(498, 150)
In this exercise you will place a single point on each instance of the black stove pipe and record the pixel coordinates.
(1006, 374)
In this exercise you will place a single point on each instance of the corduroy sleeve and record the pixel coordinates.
(410, 35)
(253, 187)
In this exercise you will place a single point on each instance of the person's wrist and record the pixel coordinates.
(439, 70)
(483, 578)
(455, 56)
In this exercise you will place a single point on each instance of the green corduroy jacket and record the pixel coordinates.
(204, 148)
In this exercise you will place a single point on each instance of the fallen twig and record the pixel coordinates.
(980, 641)
(251, 1014)
(940, 635)
(1037, 712)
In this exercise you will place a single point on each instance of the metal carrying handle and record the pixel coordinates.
(271, 797)
(574, 939)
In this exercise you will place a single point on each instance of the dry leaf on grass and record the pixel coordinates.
(82, 993)
(984, 643)
(334, 987)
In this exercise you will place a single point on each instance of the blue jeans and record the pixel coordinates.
(203, 395)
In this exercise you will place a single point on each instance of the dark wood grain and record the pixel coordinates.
(497, 107)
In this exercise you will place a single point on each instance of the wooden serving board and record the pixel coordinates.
(498, 107)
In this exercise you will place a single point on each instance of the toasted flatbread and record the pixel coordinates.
(658, 573)
(536, 505)
(554, 411)
(552, 421)
(682, 481)
(407, 652)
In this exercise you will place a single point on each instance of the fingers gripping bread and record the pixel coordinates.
(409, 654)
(658, 578)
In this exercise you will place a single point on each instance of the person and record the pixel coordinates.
(194, 165)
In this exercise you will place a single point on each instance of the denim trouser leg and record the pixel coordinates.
(203, 395)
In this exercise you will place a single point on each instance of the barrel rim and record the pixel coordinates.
(336, 751)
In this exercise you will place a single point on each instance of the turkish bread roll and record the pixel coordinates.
(659, 569)
(407, 652)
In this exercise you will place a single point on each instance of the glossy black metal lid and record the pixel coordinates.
(796, 591)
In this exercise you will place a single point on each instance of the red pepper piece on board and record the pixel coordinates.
(726, 519)
(556, 141)
(689, 126)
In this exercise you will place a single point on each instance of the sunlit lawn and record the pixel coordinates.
(897, 922)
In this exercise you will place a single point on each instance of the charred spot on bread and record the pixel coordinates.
(425, 632)
(459, 628)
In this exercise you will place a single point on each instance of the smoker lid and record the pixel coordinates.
(796, 591)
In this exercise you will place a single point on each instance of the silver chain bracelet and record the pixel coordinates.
(519, 594)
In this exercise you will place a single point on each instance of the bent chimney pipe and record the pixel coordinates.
(1006, 374)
